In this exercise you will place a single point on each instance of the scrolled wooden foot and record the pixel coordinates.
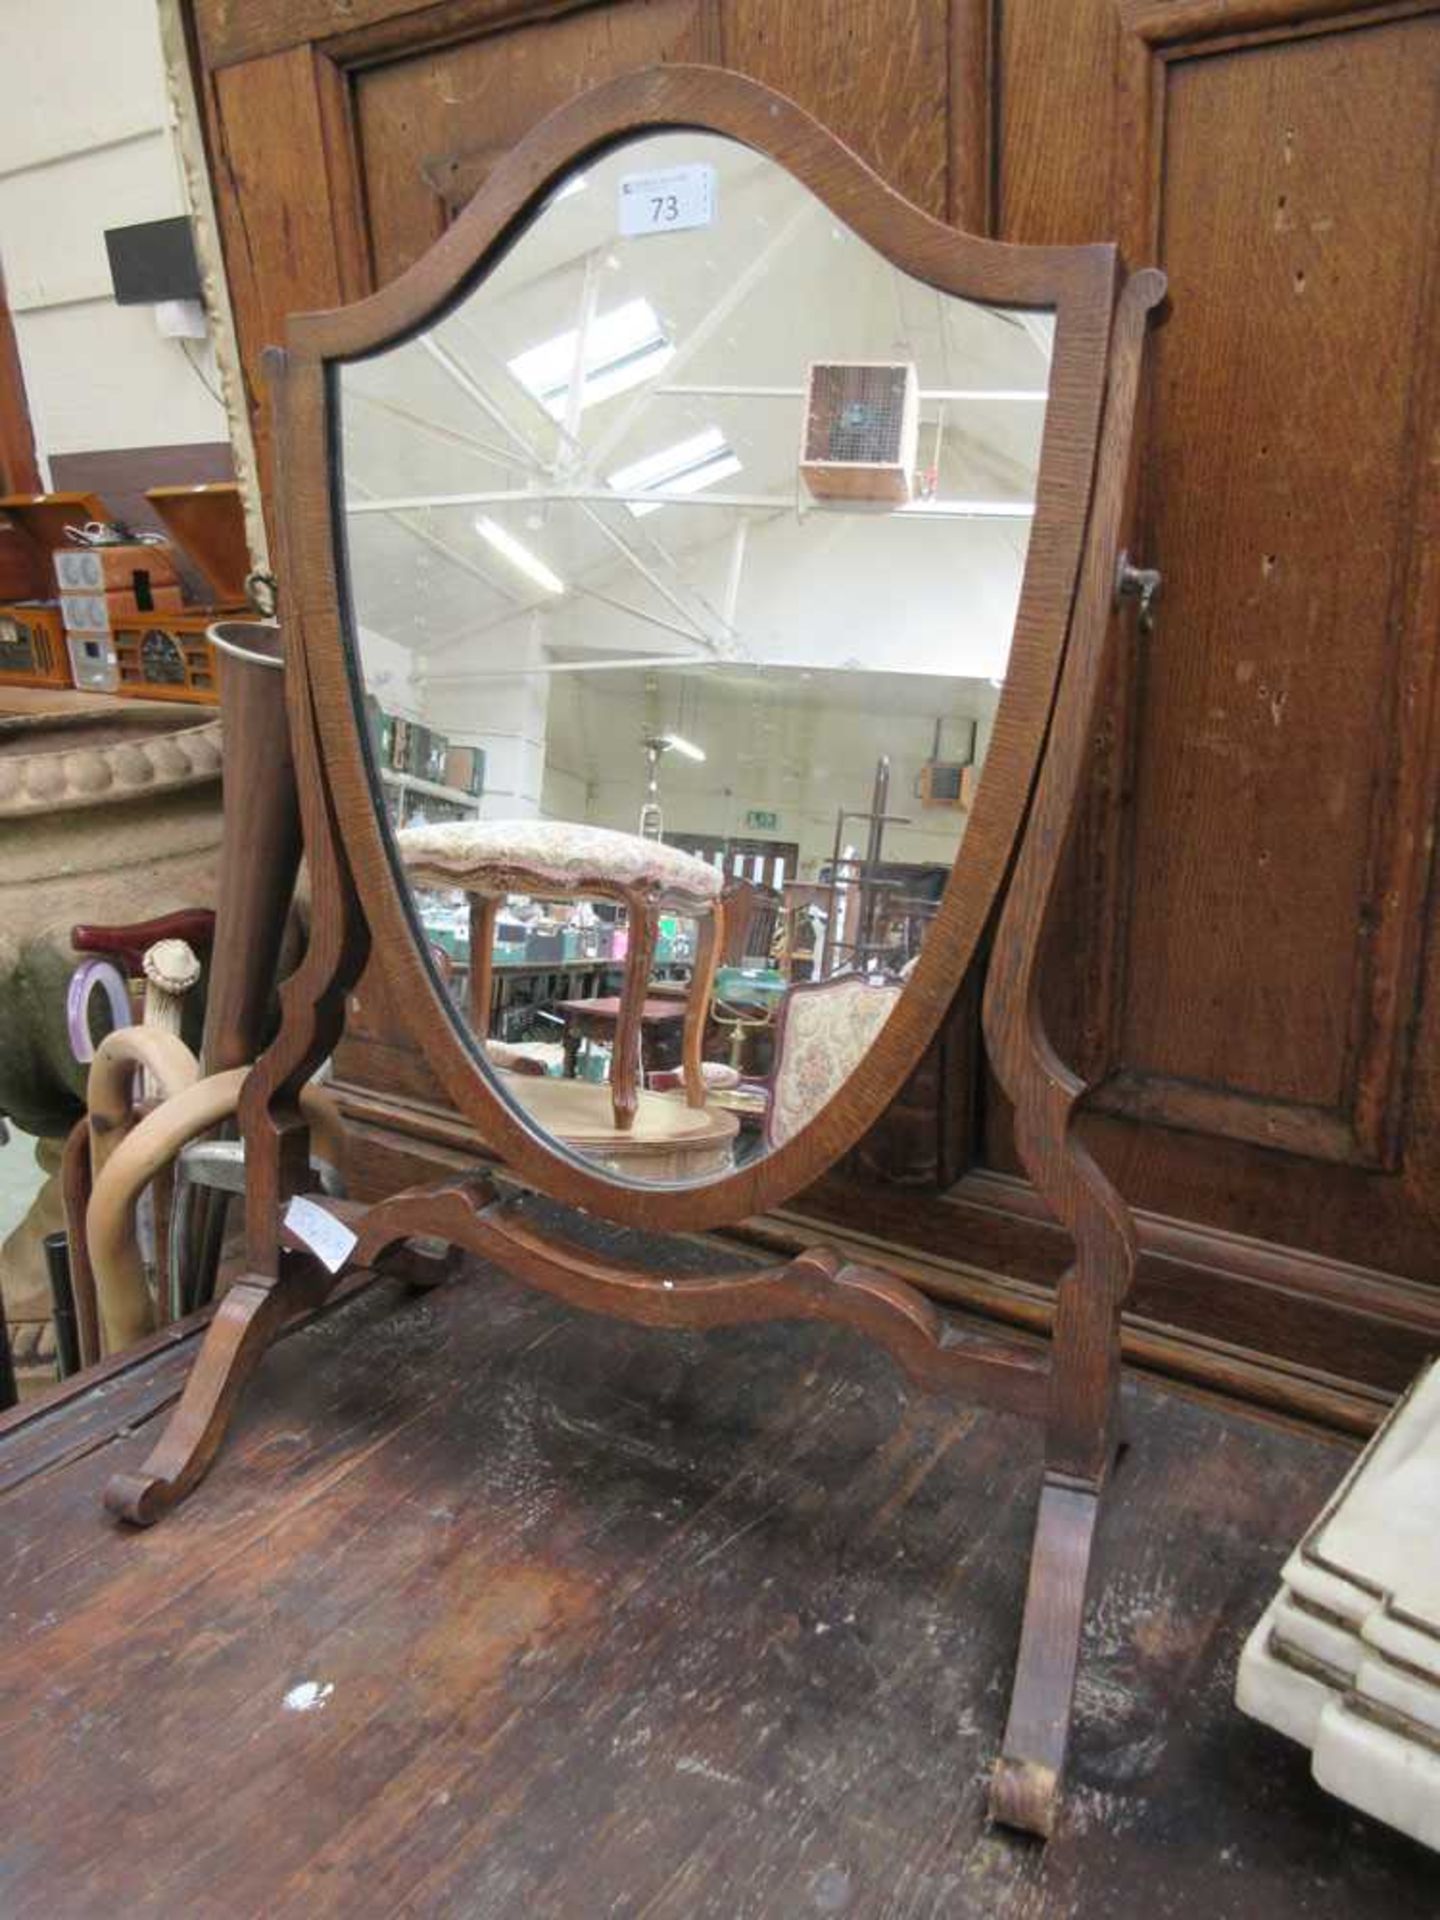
(245, 1323)
(1025, 1788)
(1023, 1795)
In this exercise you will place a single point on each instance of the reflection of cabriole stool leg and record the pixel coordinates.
(709, 942)
(560, 860)
(625, 1060)
(484, 909)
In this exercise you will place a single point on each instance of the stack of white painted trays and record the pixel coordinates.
(1346, 1659)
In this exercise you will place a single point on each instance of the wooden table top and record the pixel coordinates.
(606, 1007)
(581, 1113)
(494, 1608)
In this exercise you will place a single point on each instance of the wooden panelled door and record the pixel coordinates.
(1244, 962)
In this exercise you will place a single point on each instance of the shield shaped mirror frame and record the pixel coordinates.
(360, 896)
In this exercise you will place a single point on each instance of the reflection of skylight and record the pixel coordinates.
(622, 348)
(687, 467)
(520, 556)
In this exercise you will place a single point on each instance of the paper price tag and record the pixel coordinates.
(320, 1233)
(667, 200)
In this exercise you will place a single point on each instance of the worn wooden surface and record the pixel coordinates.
(594, 1619)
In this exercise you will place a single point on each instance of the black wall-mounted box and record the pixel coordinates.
(153, 261)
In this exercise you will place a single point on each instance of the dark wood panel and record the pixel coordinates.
(19, 471)
(1297, 245)
(876, 71)
(288, 209)
(1245, 1012)
(1059, 116)
(1276, 1325)
(1057, 113)
(430, 128)
(238, 30)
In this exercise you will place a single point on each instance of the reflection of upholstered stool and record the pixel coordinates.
(557, 860)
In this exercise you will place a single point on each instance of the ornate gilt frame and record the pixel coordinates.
(1026, 803)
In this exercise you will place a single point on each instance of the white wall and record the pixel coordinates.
(801, 772)
(85, 144)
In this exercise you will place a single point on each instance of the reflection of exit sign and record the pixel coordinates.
(762, 821)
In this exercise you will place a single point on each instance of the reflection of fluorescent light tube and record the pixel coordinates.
(520, 556)
(685, 747)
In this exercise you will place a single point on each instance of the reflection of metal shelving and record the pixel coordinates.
(407, 786)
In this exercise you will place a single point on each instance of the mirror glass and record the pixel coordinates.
(683, 559)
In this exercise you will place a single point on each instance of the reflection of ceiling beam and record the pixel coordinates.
(716, 391)
(735, 570)
(532, 403)
(725, 636)
(584, 319)
(419, 531)
(470, 633)
(472, 389)
(467, 635)
(453, 642)
(632, 663)
(763, 502)
(450, 435)
(638, 613)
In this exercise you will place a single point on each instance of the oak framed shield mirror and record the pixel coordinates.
(697, 573)
(703, 527)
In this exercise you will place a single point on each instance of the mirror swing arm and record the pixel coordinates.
(1019, 831)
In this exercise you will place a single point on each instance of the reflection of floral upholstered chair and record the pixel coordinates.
(822, 1032)
(557, 860)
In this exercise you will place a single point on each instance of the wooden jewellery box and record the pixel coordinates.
(166, 656)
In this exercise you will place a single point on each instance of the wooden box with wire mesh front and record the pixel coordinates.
(862, 422)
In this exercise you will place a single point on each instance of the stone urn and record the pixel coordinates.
(106, 816)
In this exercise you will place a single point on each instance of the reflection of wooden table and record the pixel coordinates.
(597, 1020)
(516, 985)
(666, 1140)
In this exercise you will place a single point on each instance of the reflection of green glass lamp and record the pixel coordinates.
(746, 1000)
(652, 820)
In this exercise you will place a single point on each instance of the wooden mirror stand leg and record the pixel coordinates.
(1084, 1376)
(278, 1284)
